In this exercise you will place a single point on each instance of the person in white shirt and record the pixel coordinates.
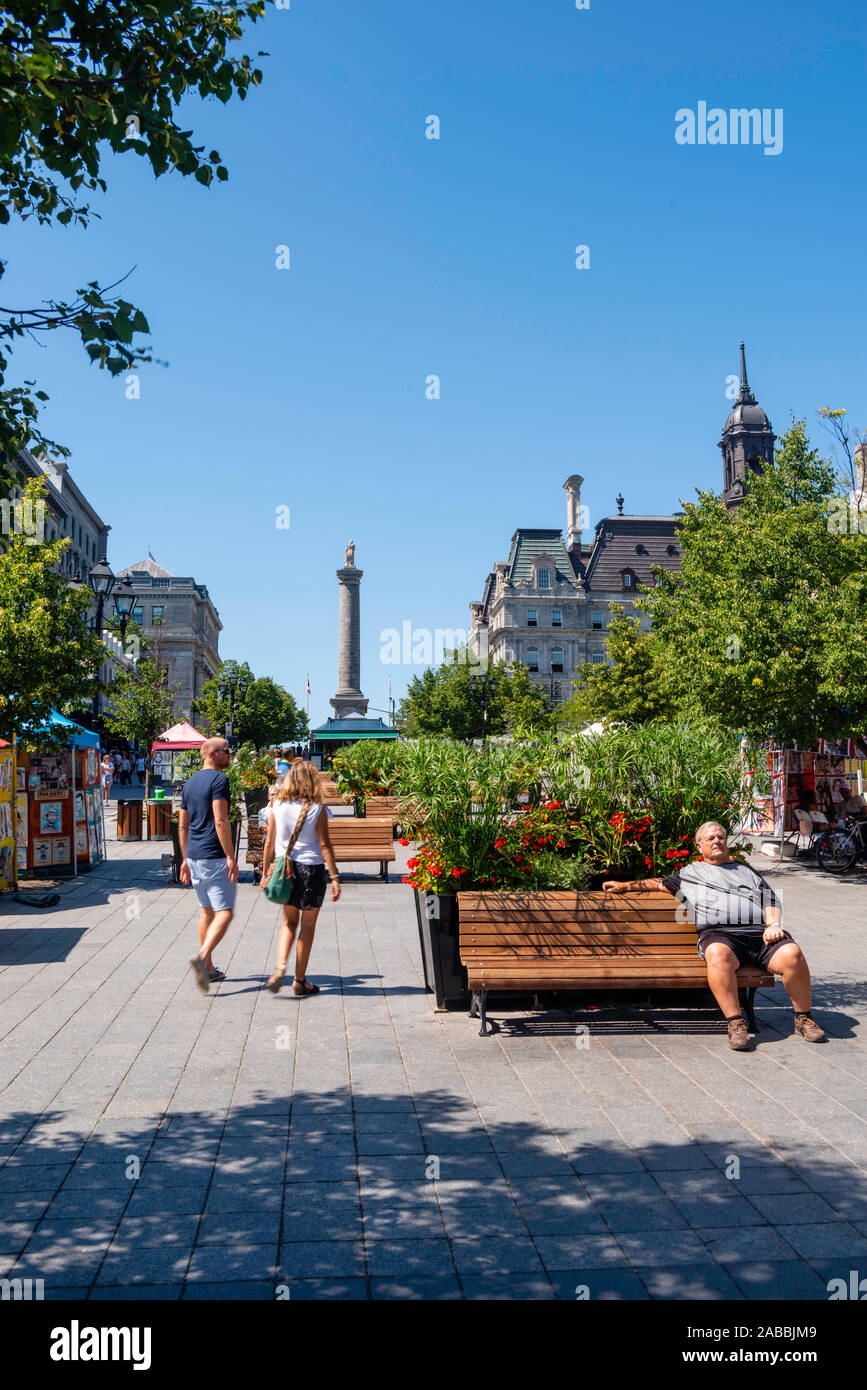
(298, 825)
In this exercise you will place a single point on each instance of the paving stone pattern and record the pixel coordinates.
(159, 1143)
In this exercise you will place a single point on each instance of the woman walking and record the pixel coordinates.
(299, 828)
(106, 769)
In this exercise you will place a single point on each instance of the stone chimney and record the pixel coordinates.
(861, 478)
(572, 488)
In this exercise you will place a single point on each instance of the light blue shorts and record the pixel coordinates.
(214, 888)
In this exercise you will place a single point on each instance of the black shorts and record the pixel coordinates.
(748, 946)
(308, 886)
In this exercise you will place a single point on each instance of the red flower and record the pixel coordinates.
(561, 844)
(498, 844)
(412, 863)
(401, 841)
(648, 862)
(456, 873)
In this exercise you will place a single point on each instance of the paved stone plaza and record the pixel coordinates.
(296, 1143)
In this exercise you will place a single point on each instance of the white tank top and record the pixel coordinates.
(307, 848)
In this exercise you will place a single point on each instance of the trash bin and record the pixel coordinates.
(129, 820)
(160, 819)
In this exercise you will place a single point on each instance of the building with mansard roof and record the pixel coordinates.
(548, 606)
(179, 619)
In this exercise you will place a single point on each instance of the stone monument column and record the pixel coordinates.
(348, 699)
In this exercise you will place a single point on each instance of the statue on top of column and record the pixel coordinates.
(349, 557)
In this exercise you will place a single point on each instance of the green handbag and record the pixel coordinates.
(278, 889)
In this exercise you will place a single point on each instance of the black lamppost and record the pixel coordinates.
(232, 686)
(124, 602)
(484, 687)
(101, 581)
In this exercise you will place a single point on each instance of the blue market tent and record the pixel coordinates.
(58, 725)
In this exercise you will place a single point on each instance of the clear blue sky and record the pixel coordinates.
(306, 387)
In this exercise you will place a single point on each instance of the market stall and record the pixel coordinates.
(178, 739)
(7, 815)
(59, 811)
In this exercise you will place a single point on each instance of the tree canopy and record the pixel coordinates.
(764, 628)
(635, 687)
(443, 700)
(47, 653)
(264, 714)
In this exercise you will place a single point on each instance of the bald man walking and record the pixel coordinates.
(208, 854)
(739, 922)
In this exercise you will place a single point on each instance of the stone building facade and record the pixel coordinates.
(179, 618)
(549, 605)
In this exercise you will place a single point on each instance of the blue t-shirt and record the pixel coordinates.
(203, 788)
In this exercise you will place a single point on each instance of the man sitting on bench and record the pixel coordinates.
(738, 920)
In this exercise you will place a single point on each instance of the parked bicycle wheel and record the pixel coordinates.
(836, 851)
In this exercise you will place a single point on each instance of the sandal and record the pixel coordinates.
(304, 986)
(276, 980)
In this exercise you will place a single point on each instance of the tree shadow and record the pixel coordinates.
(330, 1195)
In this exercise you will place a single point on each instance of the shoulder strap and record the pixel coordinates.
(299, 825)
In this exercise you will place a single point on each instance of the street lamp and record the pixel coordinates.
(234, 684)
(124, 602)
(484, 686)
(101, 581)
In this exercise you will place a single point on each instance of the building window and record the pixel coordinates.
(544, 579)
(138, 614)
(597, 658)
(533, 658)
(597, 622)
(532, 617)
(157, 613)
(627, 581)
(556, 617)
(556, 658)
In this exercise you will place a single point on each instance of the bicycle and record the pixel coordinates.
(838, 848)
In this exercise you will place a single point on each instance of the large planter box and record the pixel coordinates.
(439, 938)
(255, 800)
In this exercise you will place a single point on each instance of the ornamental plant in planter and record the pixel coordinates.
(624, 804)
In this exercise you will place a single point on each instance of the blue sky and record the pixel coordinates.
(456, 257)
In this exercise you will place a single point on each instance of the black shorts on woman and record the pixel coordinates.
(309, 882)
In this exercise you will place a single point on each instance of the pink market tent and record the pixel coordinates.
(177, 738)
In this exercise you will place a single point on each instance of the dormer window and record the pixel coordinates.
(543, 579)
(641, 549)
(629, 580)
(671, 550)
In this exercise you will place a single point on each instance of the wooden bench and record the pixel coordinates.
(367, 839)
(383, 806)
(582, 941)
(255, 846)
(330, 795)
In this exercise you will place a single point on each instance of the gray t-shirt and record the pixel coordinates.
(728, 896)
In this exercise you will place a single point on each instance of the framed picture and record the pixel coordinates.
(21, 853)
(60, 851)
(50, 817)
(51, 770)
(21, 778)
(80, 811)
(21, 831)
(41, 853)
(82, 848)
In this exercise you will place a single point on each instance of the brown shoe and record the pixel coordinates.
(809, 1028)
(739, 1037)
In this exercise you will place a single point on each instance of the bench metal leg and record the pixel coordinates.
(477, 1010)
(747, 997)
(383, 870)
